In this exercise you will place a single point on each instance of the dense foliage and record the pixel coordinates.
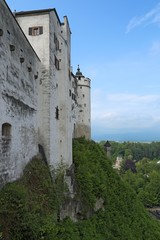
(142, 161)
(145, 182)
(29, 208)
(137, 150)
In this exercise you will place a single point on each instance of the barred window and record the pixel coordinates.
(34, 31)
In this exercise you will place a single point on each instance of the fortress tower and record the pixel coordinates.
(43, 104)
(51, 40)
(83, 126)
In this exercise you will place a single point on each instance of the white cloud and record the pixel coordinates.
(151, 17)
(114, 112)
(134, 98)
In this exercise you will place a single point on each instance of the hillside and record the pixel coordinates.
(29, 208)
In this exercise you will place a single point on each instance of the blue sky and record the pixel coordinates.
(117, 44)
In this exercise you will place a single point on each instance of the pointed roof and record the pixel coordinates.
(107, 144)
(79, 73)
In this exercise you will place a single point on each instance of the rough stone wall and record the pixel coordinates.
(19, 70)
(74, 105)
(41, 45)
(47, 93)
(54, 134)
(4, 160)
(54, 25)
(40, 99)
(65, 95)
(83, 126)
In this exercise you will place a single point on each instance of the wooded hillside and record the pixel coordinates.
(29, 208)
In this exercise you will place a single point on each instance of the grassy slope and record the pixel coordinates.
(30, 206)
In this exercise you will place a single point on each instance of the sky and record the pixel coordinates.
(117, 45)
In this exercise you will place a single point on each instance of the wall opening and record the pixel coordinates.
(35, 31)
(6, 130)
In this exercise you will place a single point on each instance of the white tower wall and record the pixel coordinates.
(44, 45)
(64, 97)
(83, 126)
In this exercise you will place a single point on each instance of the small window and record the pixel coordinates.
(6, 130)
(34, 31)
(8, 34)
(57, 113)
(1, 32)
(12, 48)
(56, 42)
(69, 74)
(56, 63)
(73, 96)
(70, 92)
(83, 95)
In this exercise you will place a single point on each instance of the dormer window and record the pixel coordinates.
(35, 31)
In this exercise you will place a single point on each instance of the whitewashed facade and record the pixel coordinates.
(19, 65)
(83, 121)
(40, 98)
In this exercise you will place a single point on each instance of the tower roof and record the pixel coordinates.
(79, 73)
(107, 144)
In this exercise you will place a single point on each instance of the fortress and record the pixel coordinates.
(43, 105)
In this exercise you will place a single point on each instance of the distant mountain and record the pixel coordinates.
(143, 136)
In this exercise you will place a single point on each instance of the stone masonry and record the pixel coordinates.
(42, 103)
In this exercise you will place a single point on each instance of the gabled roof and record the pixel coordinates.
(36, 12)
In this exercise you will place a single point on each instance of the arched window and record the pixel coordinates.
(6, 130)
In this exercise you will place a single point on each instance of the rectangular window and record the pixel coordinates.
(73, 96)
(6, 130)
(56, 42)
(69, 74)
(56, 62)
(35, 31)
(57, 113)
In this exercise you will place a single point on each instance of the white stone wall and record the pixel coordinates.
(36, 83)
(45, 48)
(55, 135)
(54, 79)
(65, 95)
(19, 69)
(41, 45)
(74, 105)
(83, 126)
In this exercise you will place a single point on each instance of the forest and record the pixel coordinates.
(29, 207)
(140, 167)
